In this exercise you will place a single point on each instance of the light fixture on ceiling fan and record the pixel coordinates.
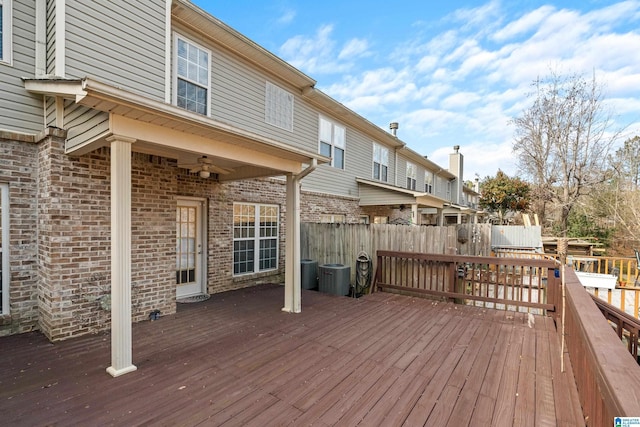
(204, 167)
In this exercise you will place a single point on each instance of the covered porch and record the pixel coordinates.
(98, 115)
(382, 359)
(375, 194)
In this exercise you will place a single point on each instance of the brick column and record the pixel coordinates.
(121, 351)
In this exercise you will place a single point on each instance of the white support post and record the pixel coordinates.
(415, 217)
(292, 286)
(121, 341)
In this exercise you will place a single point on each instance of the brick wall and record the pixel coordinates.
(18, 168)
(60, 278)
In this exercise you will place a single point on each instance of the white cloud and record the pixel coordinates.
(287, 17)
(353, 48)
(464, 85)
(527, 23)
(320, 54)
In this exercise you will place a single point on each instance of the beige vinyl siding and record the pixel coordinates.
(120, 43)
(238, 97)
(358, 158)
(402, 172)
(372, 196)
(20, 111)
(84, 125)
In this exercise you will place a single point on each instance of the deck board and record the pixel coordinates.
(237, 359)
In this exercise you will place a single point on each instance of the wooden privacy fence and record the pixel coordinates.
(342, 243)
(514, 284)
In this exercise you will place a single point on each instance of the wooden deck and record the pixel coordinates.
(236, 359)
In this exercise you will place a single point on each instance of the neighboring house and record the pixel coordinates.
(150, 152)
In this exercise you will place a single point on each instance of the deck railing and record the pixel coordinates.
(626, 326)
(606, 375)
(527, 285)
(626, 268)
(625, 297)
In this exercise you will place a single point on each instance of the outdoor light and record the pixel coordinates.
(205, 174)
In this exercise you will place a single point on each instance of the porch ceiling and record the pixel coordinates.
(166, 130)
(373, 193)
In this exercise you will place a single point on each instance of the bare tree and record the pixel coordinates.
(619, 199)
(563, 140)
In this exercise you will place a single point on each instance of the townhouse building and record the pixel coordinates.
(149, 152)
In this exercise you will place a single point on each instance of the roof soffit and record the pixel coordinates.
(103, 97)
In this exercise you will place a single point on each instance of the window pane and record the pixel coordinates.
(384, 174)
(384, 156)
(243, 257)
(268, 254)
(338, 160)
(325, 149)
(325, 131)
(376, 171)
(338, 136)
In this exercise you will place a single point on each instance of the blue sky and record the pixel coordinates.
(451, 73)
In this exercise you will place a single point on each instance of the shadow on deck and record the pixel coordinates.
(237, 359)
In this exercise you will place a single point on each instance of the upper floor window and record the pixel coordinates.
(428, 182)
(6, 7)
(278, 107)
(332, 142)
(411, 176)
(380, 162)
(192, 82)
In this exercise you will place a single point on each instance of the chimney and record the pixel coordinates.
(394, 128)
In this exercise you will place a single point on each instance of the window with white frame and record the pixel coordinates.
(380, 162)
(428, 182)
(6, 24)
(333, 218)
(381, 220)
(192, 81)
(4, 248)
(255, 238)
(278, 107)
(332, 142)
(411, 176)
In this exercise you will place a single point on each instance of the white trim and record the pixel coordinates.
(168, 52)
(256, 238)
(333, 143)
(174, 78)
(60, 40)
(7, 32)
(121, 335)
(201, 239)
(4, 259)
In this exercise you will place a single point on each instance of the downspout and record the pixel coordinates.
(307, 171)
(292, 288)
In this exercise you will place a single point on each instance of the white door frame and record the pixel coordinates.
(200, 285)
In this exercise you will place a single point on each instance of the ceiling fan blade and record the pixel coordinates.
(219, 170)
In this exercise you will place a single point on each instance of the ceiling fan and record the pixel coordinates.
(204, 167)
